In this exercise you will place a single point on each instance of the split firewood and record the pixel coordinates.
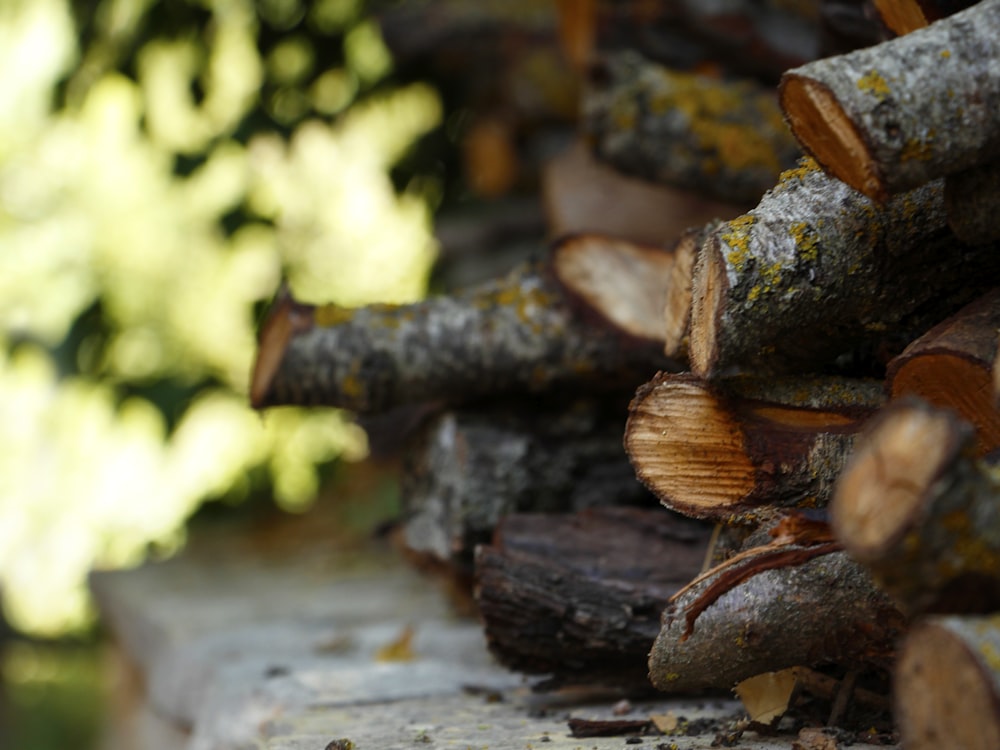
(473, 466)
(817, 270)
(782, 605)
(581, 194)
(892, 117)
(948, 684)
(736, 450)
(528, 332)
(723, 139)
(952, 365)
(919, 509)
(578, 597)
(904, 16)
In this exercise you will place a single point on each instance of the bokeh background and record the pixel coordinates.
(164, 166)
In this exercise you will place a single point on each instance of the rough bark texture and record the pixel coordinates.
(579, 597)
(904, 16)
(738, 449)
(889, 118)
(474, 466)
(952, 365)
(917, 508)
(770, 608)
(722, 139)
(972, 202)
(948, 684)
(817, 270)
(519, 333)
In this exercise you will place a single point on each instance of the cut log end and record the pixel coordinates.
(708, 291)
(823, 128)
(947, 685)
(687, 449)
(677, 310)
(902, 17)
(880, 493)
(624, 282)
(284, 320)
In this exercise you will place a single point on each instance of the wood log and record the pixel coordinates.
(735, 450)
(677, 310)
(972, 202)
(904, 16)
(527, 332)
(817, 270)
(947, 684)
(892, 117)
(473, 466)
(579, 597)
(922, 512)
(952, 366)
(722, 139)
(785, 604)
(583, 195)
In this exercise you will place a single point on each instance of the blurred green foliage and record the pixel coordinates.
(164, 164)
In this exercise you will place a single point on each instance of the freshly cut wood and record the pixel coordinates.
(922, 512)
(723, 139)
(583, 195)
(817, 270)
(677, 310)
(473, 466)
(578, 597)
(904, 16)
(769, 608)
(952, 365)
(521, 333)
(948, 684)
(889, 118)
(736, 450)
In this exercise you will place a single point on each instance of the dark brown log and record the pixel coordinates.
(579, 597)
(521, 333)
(948, 684)
(952, 366)
(583, 195)
(737, 449)
(769, 608)
(904, 16)
(922, 512)
(972, 202)
(818, 269)
(722, 139)
(892, 117)
(474, 466)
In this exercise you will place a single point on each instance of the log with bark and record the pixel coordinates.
(677, 311)
(892, 117)
(738, 449)
(947, 684)
(724, 139)
(818, 270)
(785, 604)
(922, 512)
(536, 329)
(952, 366)
(473, 466)
(578, 597)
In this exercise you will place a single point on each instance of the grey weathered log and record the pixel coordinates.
(473, 466)
(947, 684)
(817, 270)
(720, 138)
(922, 512)
(770, 608)
(892, 117)
(522, 333)
(735, 450)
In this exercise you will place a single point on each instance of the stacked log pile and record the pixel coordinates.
(811, 373)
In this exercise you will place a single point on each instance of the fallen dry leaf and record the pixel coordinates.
(766, 696)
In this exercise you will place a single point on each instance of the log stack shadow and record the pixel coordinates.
(827, 353)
